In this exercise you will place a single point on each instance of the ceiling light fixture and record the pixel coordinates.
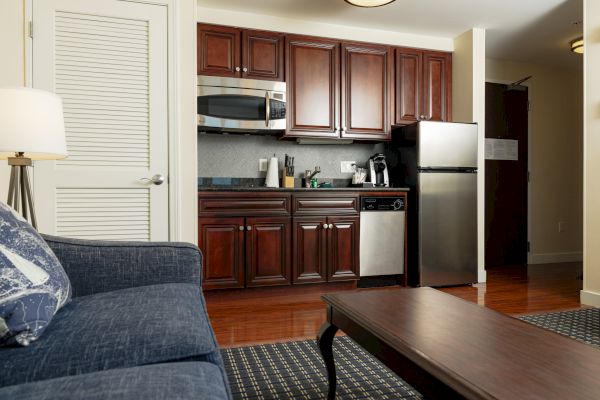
(577, 45)
(369, 3)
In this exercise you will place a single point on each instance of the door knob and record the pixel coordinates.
(324, 226)
(330, 226)
(245, 69)
(157, 179)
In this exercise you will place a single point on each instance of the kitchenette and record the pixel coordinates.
(300, 174)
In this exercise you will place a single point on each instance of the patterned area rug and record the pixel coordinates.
(295, 370)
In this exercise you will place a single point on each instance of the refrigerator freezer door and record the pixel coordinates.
(447, 144)
(447, 228)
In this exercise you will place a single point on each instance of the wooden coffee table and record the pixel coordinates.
(446, 347)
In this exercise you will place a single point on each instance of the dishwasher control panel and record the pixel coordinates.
(382, 204)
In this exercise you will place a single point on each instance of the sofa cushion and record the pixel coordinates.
(33, 284)
(119, 329)
(189, 380)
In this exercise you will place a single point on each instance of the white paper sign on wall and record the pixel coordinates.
(502, 149)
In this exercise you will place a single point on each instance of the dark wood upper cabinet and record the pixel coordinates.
(268, 251)
(408, 85)
(240, 53)
(367, 95)
(262, 55)
(312, 76)
(423, 86)
(218, 50)
(310, 250)
(221, 241)
(343, 244)
(437, 81)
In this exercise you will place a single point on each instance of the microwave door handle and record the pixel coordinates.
(267, 109)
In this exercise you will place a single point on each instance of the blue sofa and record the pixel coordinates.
(137, 328)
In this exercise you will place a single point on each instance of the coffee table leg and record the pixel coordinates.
(325, 343)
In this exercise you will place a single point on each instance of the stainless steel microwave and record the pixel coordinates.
(240, 105)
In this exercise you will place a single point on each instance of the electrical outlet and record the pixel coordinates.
(262, 164)
(561, 227)
(347, 167)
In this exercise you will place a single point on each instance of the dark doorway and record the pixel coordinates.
(506, 181)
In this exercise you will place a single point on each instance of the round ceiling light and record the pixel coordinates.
(369, 3)
(577, 45)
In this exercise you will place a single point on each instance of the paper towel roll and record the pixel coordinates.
(273, 173)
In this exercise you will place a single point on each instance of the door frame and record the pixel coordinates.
(529, 86)
(175, 82)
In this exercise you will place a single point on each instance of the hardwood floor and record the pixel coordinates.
(265, 315)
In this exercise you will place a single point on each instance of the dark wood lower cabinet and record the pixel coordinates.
(343, 243)
(268, 245)
(310, 250)
(222, 243)
(326, 249)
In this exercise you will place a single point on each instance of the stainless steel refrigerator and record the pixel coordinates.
(438, 162)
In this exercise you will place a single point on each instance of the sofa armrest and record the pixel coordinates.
(102, 266)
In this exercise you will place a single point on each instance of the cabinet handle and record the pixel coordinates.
(344, 129)
(324, 226)
(249, 228)
(337, 128)
(421, 118)
(330, 226)
(241, 228)
(245, 69)
(237, 69)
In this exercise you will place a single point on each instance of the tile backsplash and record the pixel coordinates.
(237, 155)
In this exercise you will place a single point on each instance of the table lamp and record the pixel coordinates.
(31, 128)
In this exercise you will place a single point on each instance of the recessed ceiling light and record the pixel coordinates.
(577, 45)
(369, 3)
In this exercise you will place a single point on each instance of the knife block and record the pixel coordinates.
(288, 181)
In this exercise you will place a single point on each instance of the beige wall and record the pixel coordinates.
(468, 105)
(12, 67)
(556, 151)
(293, 25)
(591, 248)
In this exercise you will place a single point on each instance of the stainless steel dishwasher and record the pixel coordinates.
(382, 227)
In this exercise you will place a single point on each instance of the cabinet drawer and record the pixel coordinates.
(243, 204)
(325, 204)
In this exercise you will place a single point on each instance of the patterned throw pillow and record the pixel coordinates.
(33, 284)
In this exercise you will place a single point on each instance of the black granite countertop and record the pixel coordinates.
(210, 184)
(297, 189)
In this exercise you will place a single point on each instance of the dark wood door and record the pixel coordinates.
(367, 92)
(437, 86)
(221, 241)
(218, 51)
(312, 76)
(409, 67)
(262, 55)
(310, 250)
(268, 251)
(343, 248)
(505, 180)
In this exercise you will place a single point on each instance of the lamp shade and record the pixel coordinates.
(31, 121)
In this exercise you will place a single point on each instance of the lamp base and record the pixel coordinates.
(19, 188)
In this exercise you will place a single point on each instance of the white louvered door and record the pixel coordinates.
(108, 61)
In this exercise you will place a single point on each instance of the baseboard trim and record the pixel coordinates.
(589, 298)
(548, 258)
(481, 276)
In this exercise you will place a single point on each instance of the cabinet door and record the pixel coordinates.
(268, 251)
(437, 85)
(219, 51)
(366, 91)
(312, 71)
(262, 55)
(343, 248)
(408, 85)
(221, 241)
(310, 250)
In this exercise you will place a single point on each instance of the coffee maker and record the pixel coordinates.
(378, 171)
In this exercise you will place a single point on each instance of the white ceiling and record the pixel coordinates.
(520, 30)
